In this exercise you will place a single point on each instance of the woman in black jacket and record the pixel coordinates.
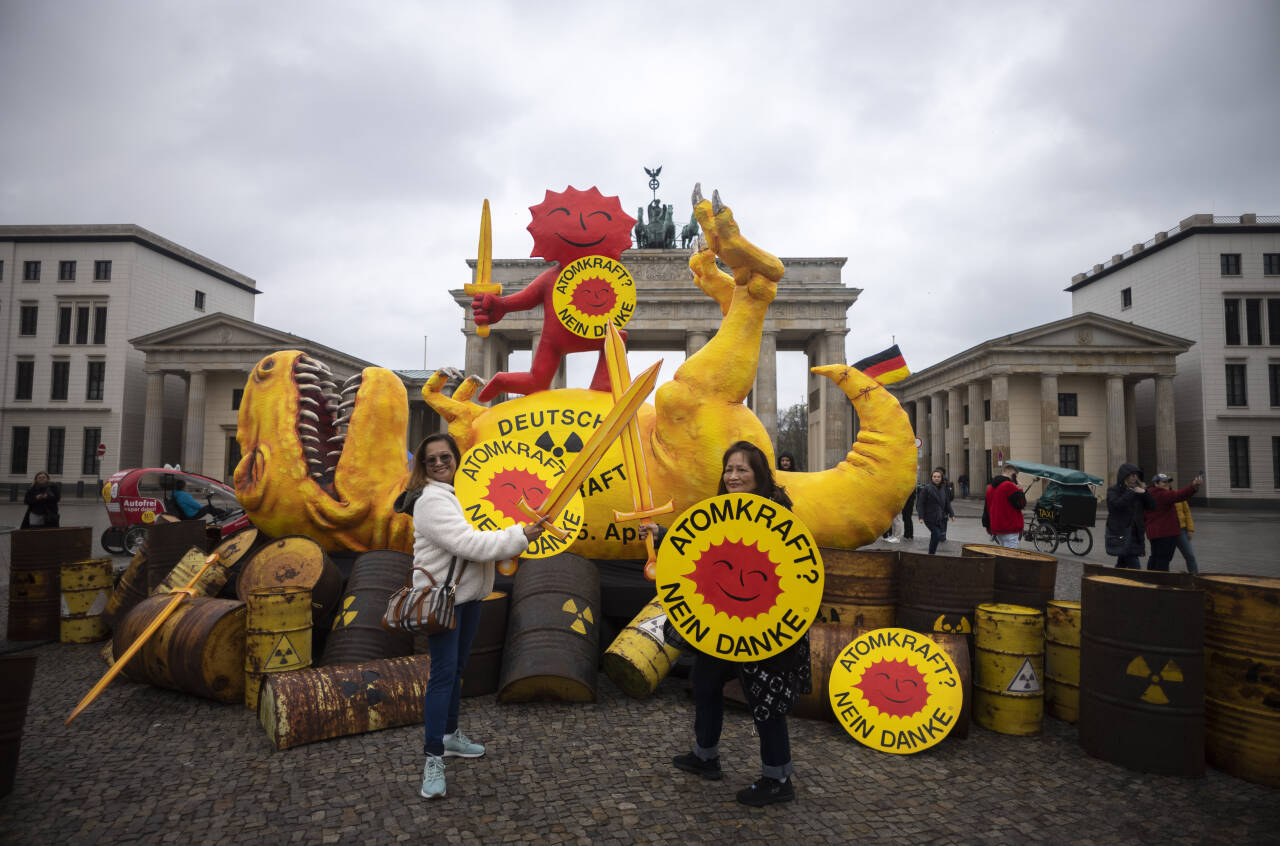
(42, 503)
(934, 507)
(1127, 500)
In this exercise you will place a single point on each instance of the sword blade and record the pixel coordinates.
(484, 283)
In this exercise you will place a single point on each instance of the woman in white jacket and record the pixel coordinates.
(440, 534)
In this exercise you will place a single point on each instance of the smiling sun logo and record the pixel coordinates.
(593, 292)
(894, 687)
(508, 487)
(737, 579)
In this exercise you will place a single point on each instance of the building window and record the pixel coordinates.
(28, 316)
(1271, 264)
(23, 385)
(1273, 322)
(90, 463)
(986, 411)
(237, 394)
(1273, 380)
(1, 270)
(199, 300)
(233, 457)
(1238, 461)
(102, 271)
(66, 271)
(1126, 297)
(96, 380)
(82, 324)
(1068, 406)
(1231, 312)
(100, 324)
(1253, 321)
(60, 380)
(1237, 392)
(1230, 264)
(57, 440)
(31, 271)
(965, 409)
(64, 324)
(946, 418)
(1275, 460)
(18, 449)
(1069, 456)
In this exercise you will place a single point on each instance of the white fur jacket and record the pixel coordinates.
(440, 531)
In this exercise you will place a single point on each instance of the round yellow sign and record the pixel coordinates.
(496, 475)
(740, 577)
(895, 690)
(148, 516)
(592, 292)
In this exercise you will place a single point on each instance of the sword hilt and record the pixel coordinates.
(641, 513)
(537, 517)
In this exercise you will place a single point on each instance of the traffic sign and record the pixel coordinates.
(102, 450)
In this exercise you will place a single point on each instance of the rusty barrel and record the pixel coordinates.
(1062, 660)
(1142, 675)
(344, 699)
(131, 588)
(298, 561)
(36, 557)
(17, 673)
(1022, 577)
(199, 649)
(639, 658)
(553, 632)
(232, 552)
(826, 640)
(166, 544)
(85, 588)
(1008, 691)
(860, 587)
(484, 664)
(277, 636)
(938, 593)
(188, 567)
(1242, 675)
(357, 633)
(1151, 577)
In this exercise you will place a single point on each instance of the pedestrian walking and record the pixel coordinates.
(42, 503)
(1162, 525)
(1183, 540)
(1004, 504)
(908, 514)
(1127, 503)
(934, 508)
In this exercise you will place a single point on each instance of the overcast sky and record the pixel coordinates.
(967, 158)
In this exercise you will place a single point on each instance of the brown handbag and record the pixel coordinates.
(426, 610)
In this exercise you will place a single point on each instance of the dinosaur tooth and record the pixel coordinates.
(308, 428)
(309, 415)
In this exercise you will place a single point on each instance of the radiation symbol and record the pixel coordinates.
(1025, 680)
(952, 624)
(573, 443)
(592, 292)
(578, 616)
(284, 656)
(345, 616)
(366, 685)
(1154, 692)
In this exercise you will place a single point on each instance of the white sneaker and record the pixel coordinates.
(893, 540)
(432, 778)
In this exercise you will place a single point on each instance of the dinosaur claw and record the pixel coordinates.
(697, 193)
(717, 205)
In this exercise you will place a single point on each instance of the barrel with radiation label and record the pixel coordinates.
(1062, 660)
(860, 587)
(294, 561)
(86, 585)
(1008, 688)
(277, 635)
(639, 657)
(938, 593)
(357, 633)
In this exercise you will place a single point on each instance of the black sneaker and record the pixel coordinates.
(691, 763)
(766, 791)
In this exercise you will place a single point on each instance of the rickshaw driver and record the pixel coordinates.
(191, 510)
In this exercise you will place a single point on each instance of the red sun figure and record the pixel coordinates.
(737, 579)
(508, 487)
(594, 297)
(895, 688)
(566, 226)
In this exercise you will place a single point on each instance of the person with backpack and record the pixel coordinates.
(1005, 501)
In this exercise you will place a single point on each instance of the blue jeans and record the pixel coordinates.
(1183, 542)
(709, 677)
(449, 652)
(937, 534)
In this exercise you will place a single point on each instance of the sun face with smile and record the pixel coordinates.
(570, 224)
(895, 688)
(737, 579)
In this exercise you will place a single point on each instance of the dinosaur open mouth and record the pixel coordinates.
(323, 417)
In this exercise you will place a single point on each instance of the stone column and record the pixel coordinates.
(1049, 419)
(473, 362)
(1000, 434)
(1166, 432)
(977, 442)
(193, 441)
(937, 433)
(694, 341)
(766, 389)
(955, 436)
(836, 409)
(153, 423)
(925, 454)
(1115, 424)
(1131, 422)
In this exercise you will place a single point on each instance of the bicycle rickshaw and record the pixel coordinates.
(1066, 510)
(136, 498)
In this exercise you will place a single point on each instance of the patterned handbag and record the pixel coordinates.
(425, 610)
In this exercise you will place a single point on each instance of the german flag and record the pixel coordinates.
(885, 367)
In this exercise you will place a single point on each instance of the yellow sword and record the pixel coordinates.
(623, 412)
(615, 351)
(484, 283)
(179, 594)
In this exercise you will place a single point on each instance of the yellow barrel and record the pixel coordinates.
(1008, 694)
(1062, 660)
(86, 587)
(277, 635)
(639, 658)
(1242, 675)
(210, 581)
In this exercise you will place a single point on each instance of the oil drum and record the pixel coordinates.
(1062, 660)
(184, 572)
(1008, 691)
(553, 632)
(484, 663)
(357, 633)
(1022, 577)
(639, 658)
(860, 587)
(35, 559)
(345, 699)
(826, 640)
(130, 589)
(199, 649)
(167, 543)
(294, 560)
(17, 673)
(85, 588)
(1142, 675)
(1242, 675)
(1152, 577)
(937, 593)
(277, 635)
(232, 552)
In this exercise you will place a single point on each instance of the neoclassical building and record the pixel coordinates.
(672, 313)
(1063, 393)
